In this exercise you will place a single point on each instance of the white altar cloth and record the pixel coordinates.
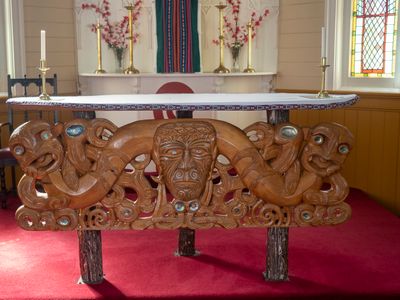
(186, 102)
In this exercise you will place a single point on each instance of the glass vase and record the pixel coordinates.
(119, 56)
(235, 51)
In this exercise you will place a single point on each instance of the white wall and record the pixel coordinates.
(264, 52)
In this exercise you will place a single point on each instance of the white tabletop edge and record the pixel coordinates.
(237, 101)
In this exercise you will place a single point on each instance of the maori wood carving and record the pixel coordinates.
(89, 174)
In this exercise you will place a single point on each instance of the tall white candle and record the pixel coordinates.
(323, 42)
(42, 45)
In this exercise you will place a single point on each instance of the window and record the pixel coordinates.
(362, 38)
(373, 38)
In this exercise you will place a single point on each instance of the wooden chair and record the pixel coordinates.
(173, 87)
(19, 87)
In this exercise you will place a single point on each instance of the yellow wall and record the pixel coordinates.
(374, 164)
(299, 45)
(57, 18)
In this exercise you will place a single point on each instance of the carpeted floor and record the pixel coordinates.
(357, 260)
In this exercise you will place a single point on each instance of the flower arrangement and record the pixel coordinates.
(114, 33)
(235, 34)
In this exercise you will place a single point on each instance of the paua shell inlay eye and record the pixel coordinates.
(318, 139)
(179, 206)
(194, 205)
(19, 150)
(45, 135)
(288, 132)
(63, 221)
(343, 149)
(306, 216)
(75, 130)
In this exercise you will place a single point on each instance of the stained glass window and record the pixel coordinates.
(374, 33)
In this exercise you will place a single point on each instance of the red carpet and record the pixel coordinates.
(357, 260)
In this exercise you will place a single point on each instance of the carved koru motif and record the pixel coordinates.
(89, 174)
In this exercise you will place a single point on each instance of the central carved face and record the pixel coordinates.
(184, 154)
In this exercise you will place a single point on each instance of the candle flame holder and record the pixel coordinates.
(323, 93)
(99, 69)
(43, 70)
(131, 69)
(249, 68)
(221, 68)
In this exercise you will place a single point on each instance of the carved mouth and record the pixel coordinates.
(42, 162)
(186, 183)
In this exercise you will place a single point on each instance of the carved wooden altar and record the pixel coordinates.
(89, 175)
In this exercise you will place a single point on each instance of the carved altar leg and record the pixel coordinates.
(90, 256)
(90, 249)
(186, 244)
(278, 238)
(277, 254)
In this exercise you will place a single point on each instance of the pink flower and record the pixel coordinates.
(236, 35)
(114, 33)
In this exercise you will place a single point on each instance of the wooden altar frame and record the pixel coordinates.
(277, 243)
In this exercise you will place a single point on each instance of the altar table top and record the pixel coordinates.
(186, 102)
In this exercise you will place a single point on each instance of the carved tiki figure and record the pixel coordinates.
(328, 145)
(184, 154)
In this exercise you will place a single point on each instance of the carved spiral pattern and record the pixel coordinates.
(92, 175)
(270, 215)
(96, 217)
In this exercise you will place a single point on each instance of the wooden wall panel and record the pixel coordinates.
(299, 47)
(397, 205)
(57, 18)
(375, 153)
(390, 139)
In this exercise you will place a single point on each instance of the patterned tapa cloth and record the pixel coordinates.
(177, 36)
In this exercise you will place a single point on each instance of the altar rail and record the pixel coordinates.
(271, 175)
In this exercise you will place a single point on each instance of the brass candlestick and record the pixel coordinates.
(221, 68)
(131, 69)
(99, 69)
(43, 69)
(323, 93)
(249, 68)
